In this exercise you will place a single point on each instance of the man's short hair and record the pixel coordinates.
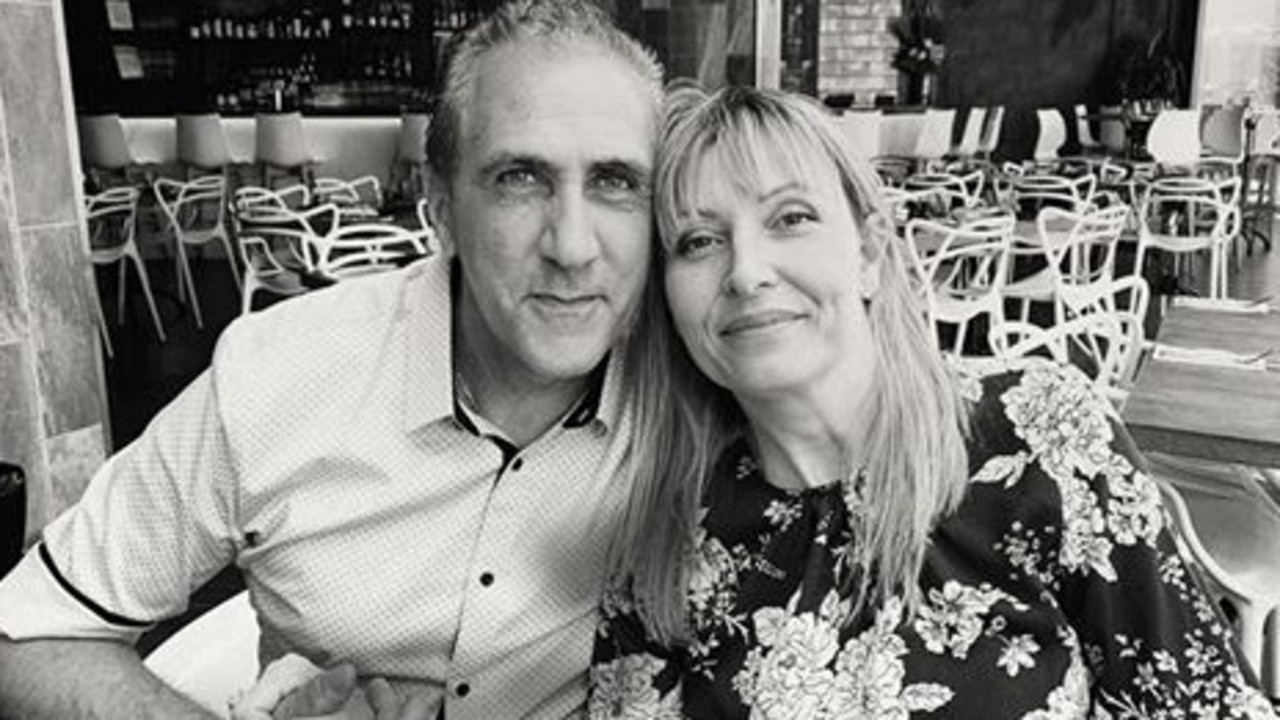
(549, 23)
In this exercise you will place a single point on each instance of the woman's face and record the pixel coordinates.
(766, 280)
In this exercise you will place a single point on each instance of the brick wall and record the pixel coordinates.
(855, 48)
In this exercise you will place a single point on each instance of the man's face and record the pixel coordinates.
(549, 208)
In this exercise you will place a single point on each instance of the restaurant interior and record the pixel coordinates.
(1089, 180)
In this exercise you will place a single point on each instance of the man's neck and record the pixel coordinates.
(504, 392)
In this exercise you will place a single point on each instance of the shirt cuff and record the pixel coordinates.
(34, 604)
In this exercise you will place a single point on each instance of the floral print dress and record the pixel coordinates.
(1054, 591)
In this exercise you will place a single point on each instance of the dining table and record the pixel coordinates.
(1227, 410)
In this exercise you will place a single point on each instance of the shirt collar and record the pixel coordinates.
(428, 363)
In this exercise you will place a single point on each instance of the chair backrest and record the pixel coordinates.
(1031, 193)
(934, 140)
(991, 128)
(1174, 138)
(279, 139)
(962, 269)
(363, 248)
(1266, 131)
(1105, 345)
(973, 127)
(202, 141)
(1111, 131)
(1052, 134)
(187, 204)
(1084, 131)
(102, 142)
(111, 216)
(412, 146)
(363, 194)
(1222, 131)
(861, 132)
(1190, 208)
(959, 190)
(1083, 259)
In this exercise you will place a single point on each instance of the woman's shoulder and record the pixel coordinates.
(1017, 406)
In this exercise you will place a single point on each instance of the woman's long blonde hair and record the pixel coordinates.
(916, 464)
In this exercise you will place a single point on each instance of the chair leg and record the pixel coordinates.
(231, 259)
(103, 330)
(122, 280)
(146, 292)
(185, 267)
(1251, 623)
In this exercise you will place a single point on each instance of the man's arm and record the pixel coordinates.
(74, 679)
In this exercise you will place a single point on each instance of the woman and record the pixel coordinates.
(826, 523)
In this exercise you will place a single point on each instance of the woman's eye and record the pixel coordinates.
(695, 245)
(796, 218)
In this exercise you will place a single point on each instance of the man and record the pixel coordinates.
(417, 472)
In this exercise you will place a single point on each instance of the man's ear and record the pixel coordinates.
(438, 204)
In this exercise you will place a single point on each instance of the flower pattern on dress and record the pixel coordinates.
(1027, 608)
(625, 688)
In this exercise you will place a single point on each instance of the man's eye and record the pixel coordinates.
(615, 183)
(695, 245)
(518, 179)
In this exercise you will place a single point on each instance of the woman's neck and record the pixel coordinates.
(815, 437)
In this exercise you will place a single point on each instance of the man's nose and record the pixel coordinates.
(570, 240)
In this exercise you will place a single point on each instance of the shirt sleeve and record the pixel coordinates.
(1152, 640)
(156, 522)
(631, 675)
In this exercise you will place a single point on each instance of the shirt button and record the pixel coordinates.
(519, 463)
(462, 689)
(486, 579)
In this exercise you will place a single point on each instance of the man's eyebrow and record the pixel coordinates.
(507, 160)
(639, 168)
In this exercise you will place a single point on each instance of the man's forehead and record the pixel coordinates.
(577, 99)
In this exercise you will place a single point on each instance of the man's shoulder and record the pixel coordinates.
(351, 316)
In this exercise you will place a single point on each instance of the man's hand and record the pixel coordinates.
(336, 694)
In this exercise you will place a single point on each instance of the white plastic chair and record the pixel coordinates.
(972, 136)
(1173, 141)
(1230, 528)
(934, 140)
(1049, 139)
(195, 210)
(1187, 215)
(112, 222)
(356, 199)
(348, 251)
(1106, 345)
(962, 271)
(280, 146)
(272, 234)
(1079, 252)
(861, 132)
(957, 189)
(104, 149)
(202, 144)
(991, 130)
(212, 658)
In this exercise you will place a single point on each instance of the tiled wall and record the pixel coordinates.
(52, 399)
(855, 48)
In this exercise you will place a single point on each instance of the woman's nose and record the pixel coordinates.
(749, 268)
